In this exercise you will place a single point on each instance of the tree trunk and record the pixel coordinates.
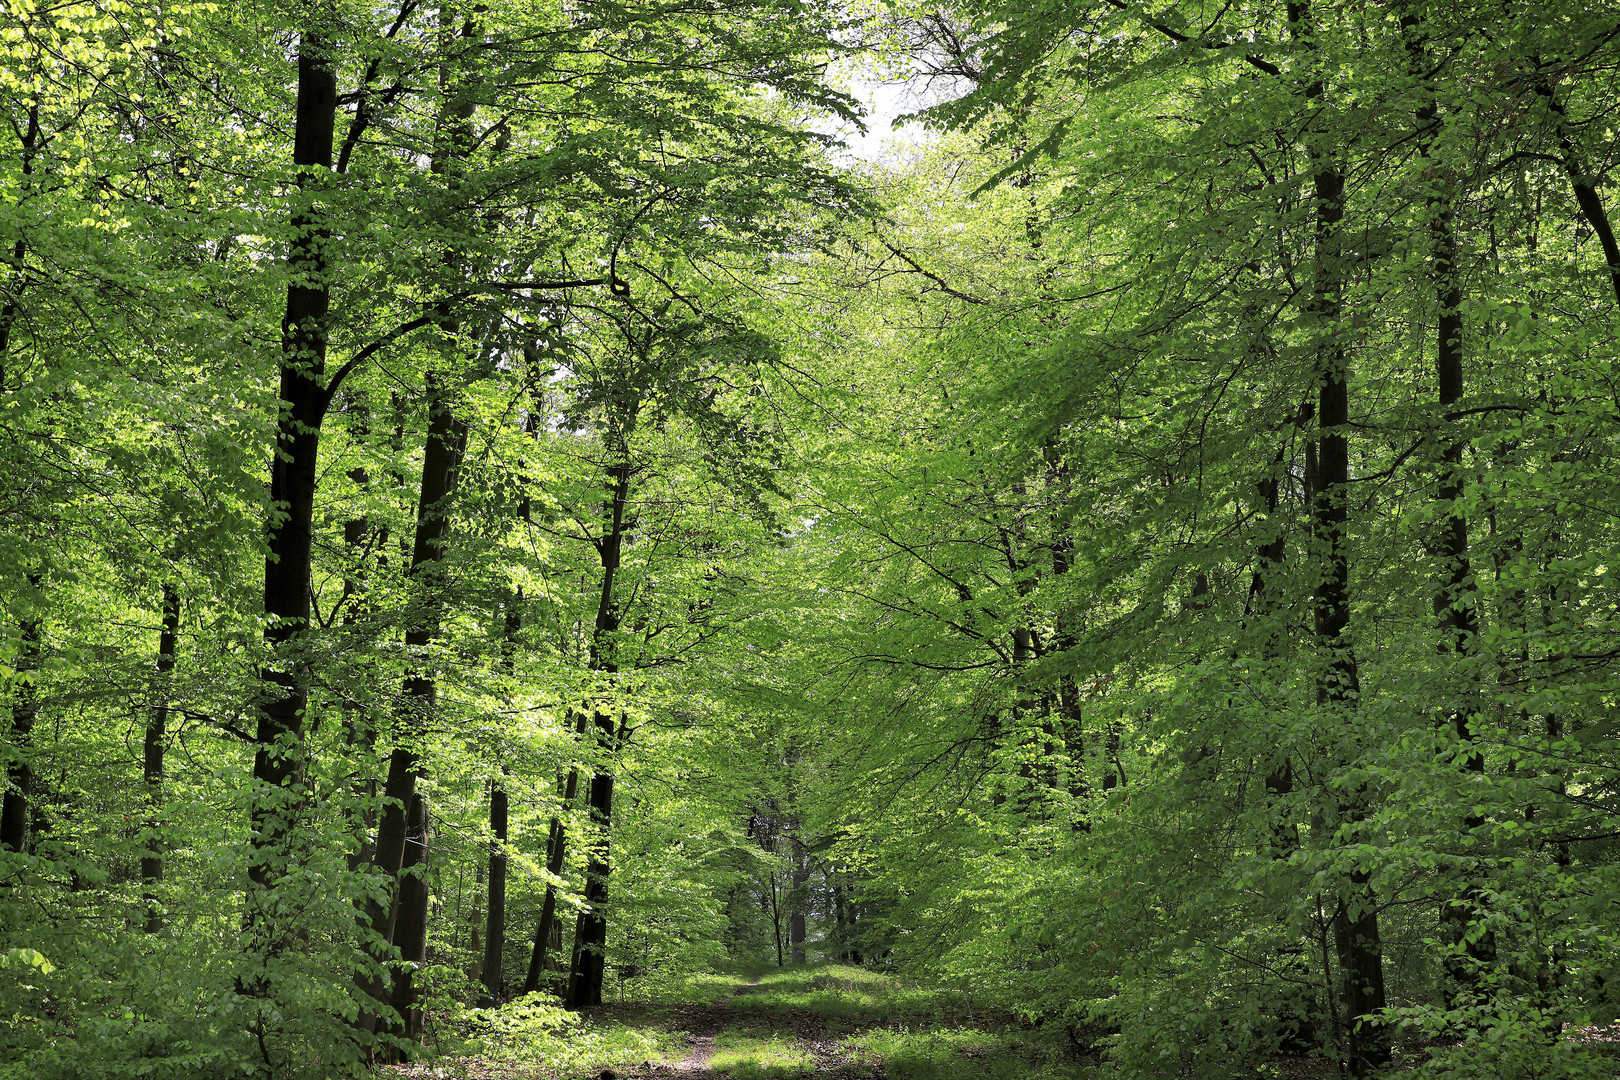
(797, 901)
(410, 918)
(440, 461)
(156, 731)
(278, 761)
(1456, 606)
(492, 969)
(475, 929)
(590, 930)
(495, 927)
(1070, 714)
(30, 145)
(15, 805)
(1296, 1032)
(14, 811)
(840, 929)
(1356, 924)
(360, 732)
(776, 920)
(555, 850)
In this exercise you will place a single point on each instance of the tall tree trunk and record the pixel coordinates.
(1070, 714)
(546, 928)
(1355, 923)
(411, 916)
(1456, 598)
(492, 968)
(15, 805)
(440, 463)
(590, 929)
(475, 925)
(359, 729)
(797, 901)
(156, 731)
(776, 920)
(14, 811)
(1296, 1032)
(495, 927)
(278, 761)
(840, 928)
(441, 459)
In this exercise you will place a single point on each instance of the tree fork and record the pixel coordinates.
(1581, 182)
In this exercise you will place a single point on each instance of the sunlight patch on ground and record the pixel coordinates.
(759, 1056)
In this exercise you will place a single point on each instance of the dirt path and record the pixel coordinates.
(812, 1024)
(704, 1024)
(698, 1060)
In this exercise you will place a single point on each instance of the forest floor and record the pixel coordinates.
(832, 1023)
(825, 1022)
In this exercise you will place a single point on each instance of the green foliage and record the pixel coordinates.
(759, 1056)
(841, 991)
(963, 1053)
(536, 1031)
(943, 551)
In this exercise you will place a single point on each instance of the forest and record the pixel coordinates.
(522, 555)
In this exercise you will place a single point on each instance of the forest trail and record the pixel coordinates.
(826, 1022)
(764, 1035)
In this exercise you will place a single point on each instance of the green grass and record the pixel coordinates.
(755, 1056)
(839, 977)
(536, 1032)
(849, 992)
(964, 1054)
(692, 989)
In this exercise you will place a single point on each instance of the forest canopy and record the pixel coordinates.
(500, 512)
